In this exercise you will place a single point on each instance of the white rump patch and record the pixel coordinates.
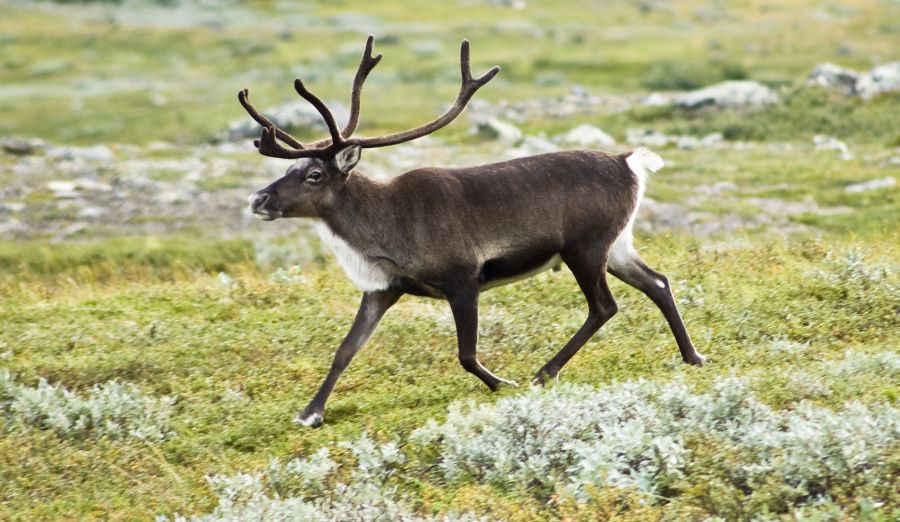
(364, 274)
(642, 161)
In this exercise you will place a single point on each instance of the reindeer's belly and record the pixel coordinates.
(510, 268)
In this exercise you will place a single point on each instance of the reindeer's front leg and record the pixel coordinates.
(371, 310)
(464, 305)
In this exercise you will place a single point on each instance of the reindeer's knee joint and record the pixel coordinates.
(469, 362)
(604, 312)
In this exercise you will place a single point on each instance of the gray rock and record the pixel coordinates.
(175, 196)
(12, 207)
(829, 143)
(21, 146)
(532, 145)
(12, 228)
(89, 184)
(881, 79)
(874, 184)
(834, 77)
(63, 189)
(496, 129)
(730, 94)
(93, 153)
(712, 139)
(295, 114)
(646, 137)
(655, 99)
(878, 80)
(92, 212)
(586, 136)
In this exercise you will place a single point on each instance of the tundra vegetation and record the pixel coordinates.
(157, 341)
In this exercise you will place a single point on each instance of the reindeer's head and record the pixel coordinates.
(311, 185)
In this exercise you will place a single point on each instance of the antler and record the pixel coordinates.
(269, 146)
(365, 66)
(466, 91)
(267, 143)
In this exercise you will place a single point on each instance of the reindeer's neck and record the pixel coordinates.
(357, 230)
(359, 213)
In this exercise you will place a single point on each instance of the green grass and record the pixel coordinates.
(93, 80)
(195, 338)
(154, 311)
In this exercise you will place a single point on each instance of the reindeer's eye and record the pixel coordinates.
(314, 176)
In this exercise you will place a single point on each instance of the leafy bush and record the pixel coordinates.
(311, 489)
(670, 443)
(113, 409)
(680, 75)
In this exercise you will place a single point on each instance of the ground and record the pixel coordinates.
(136, 263)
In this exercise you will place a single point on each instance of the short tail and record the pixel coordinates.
(642, 161)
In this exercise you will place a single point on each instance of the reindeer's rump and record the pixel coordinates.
(513, 218)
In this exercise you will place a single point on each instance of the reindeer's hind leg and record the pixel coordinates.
(589, 268)
(625, 264)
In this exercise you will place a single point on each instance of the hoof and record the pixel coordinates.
(310, 420)
(504, 382)
(697, 360)
(543, 377)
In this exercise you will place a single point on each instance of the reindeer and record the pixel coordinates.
(453, 233)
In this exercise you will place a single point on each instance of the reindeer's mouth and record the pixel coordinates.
(260, 206)
(266, 215)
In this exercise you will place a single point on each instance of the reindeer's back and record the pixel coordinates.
(534, 203)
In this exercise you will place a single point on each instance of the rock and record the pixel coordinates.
(655, 99)
(730, 94)
(514, 4)
(881, 79)
(870, 185)
(21, 146)
(828, 143)
(91, 212)
(878, 80)
(12, 207)
(426, 48)
(12, 227)
(781, 207)
(646, 137)
(175, 196)
(63, 189)
(834, 77)
(295, 114)
(92, 185)
(532, 145)
(496, 129)
(712, 139)
(94, 153)
(686, 142)
(586, 136)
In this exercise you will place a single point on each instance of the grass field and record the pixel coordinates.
(156, 374)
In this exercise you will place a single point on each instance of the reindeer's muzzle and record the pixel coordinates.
(264, 206)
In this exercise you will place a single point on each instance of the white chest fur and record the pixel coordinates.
(364, 274)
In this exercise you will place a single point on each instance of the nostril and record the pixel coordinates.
(258, 199)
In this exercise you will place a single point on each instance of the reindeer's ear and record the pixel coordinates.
(347, 158)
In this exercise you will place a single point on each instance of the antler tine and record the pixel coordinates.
(244, 98)
(466, 90)
(269, 147)
(366, 65)
(336, 138)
